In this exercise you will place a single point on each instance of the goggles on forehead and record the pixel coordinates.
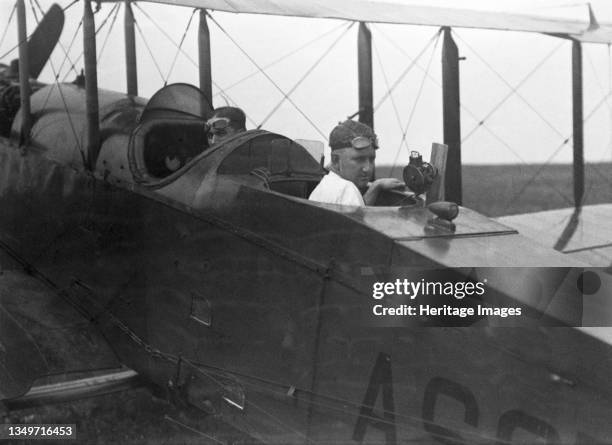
(217, 124)
(361, 142)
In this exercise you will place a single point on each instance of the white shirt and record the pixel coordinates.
(333, 189)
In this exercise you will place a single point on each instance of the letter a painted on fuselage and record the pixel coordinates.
(380, 377)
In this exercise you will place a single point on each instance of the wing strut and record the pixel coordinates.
(130, 50)
(364, 63)
(366, 89)
(24, 73)
(577, 105)
(451, 116)
(91, 85)
(204, 62)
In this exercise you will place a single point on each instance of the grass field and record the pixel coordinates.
(497, 190)
(136, 417)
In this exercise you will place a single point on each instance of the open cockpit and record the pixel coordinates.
(170, 141)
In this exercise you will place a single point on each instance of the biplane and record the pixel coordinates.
(222, 284)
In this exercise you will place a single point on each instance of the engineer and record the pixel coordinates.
(353, 152)
(225, 123)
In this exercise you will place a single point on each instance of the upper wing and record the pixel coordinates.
(584, 234)
(382, 12)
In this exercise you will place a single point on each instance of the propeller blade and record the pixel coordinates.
(44, 39)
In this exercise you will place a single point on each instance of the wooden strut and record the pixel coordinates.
(24, 74)
(204, 59)
(364, 64)
(92, 142)
(130, 51)
(366, 89)
(451, 117)
(578, 124)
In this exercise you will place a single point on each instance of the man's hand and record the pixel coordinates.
(375, 187)
(387, 184)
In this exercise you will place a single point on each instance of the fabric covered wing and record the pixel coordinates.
(384, 12)
(585, 234)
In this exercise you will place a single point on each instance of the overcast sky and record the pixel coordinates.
(526, 128)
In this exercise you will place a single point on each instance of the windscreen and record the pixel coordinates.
(277, 154)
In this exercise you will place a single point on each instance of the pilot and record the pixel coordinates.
(225, 123)
(353, 152)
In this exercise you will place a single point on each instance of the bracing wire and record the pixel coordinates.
(533, 177)
(306, 74)
(404, 52)
(268, 77)
(165, 34)
(407, 70)
(597, 79)
(73, 65)
(178, 51)
(386, 79)
(417, 421)
(67, 52)
(321, 401)
(13, 48)
(471, 113)
(110, 29)
(552, 156)
(331, 404)
(429, 76)
(188, 56)
(210, 376)
(34, 11)
(7, 24)
(72, 127)
(416, 101)
(513, 89)
(607, 103)
(604, 100)
(56, 75)
(161, 74)
(282, 58)
(98, 30)
(58, 42)
(74, 2)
